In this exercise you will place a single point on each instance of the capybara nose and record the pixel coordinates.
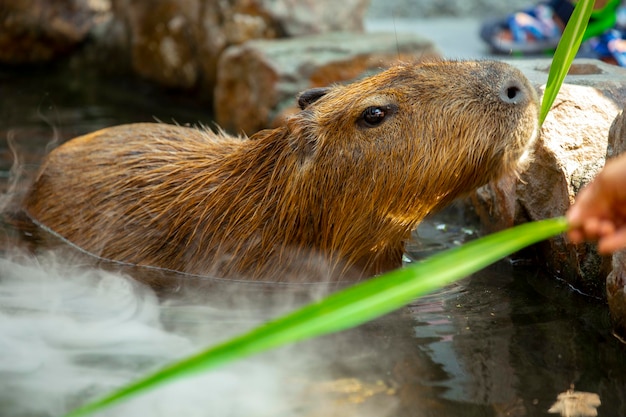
(514, 91)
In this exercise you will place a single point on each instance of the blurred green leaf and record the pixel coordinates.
(565, 53)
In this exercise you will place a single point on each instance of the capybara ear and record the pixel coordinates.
(308, 97)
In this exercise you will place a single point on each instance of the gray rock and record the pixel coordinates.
(258, 80)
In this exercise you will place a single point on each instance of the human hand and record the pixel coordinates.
(599, 211)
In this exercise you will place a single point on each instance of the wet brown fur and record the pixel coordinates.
(324, 185)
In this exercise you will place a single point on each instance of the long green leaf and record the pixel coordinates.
(565, 52)
(352, 306)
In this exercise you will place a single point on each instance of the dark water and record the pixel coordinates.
(504, 342)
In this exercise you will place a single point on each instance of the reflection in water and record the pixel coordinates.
(503, 342)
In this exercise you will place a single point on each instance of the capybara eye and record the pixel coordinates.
(373, 116)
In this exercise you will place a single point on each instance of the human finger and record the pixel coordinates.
(612, 242)
(575, 236)
(587, 203)
(592, 227)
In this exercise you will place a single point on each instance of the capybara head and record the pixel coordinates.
(346, 179)
(446, 127)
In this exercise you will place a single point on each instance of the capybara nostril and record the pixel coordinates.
(513, 91)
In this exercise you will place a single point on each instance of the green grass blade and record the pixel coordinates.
(352, 306)
(565, 53)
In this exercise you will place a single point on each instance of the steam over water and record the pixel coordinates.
(70, 333)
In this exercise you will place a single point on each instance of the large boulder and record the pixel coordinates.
(162, 38)
(258, 80)
(178, 42)
(570, 150)
(35, 31)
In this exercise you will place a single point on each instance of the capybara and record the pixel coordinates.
(346, 179)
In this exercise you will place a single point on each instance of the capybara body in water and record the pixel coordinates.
(347, 178)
